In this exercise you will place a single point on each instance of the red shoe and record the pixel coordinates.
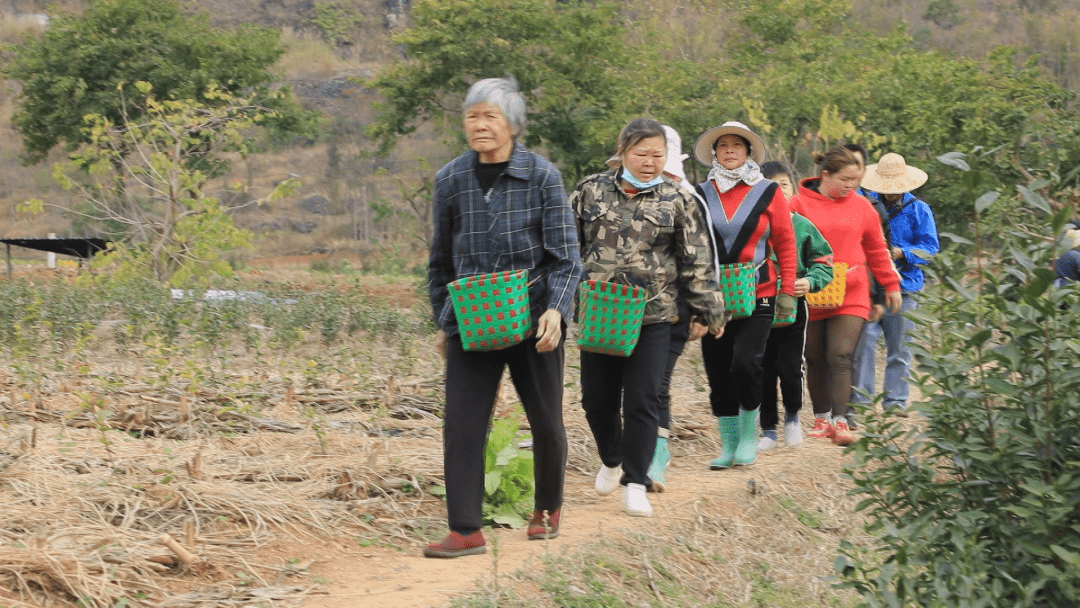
(544, 525)
(842, 434)
(456, 545)
(822, 429)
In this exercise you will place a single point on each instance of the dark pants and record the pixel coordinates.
(471, 381)
(620, 396)
(733, 362)
(830, 354)
(680, 333)
(784, 361)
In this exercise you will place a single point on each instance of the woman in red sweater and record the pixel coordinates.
(853, 228)
(749, 216)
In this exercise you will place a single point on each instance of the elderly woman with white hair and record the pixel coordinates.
(500, 209)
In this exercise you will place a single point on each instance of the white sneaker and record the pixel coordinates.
(792, 434)
(608, 479)
(765, 444)
(635, 502)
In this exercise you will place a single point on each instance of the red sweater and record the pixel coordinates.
(853, 228)
(773, 229)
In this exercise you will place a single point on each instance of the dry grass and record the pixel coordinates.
(99, 465)
(341, 444)
(310, 58)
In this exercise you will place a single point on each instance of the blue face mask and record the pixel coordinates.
(640, 185)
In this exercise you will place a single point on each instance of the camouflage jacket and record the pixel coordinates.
(658, 240)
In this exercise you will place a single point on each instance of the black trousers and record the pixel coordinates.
(733, 362)
(784, 361)
(471, 381)
(680, 334)
(620, 396)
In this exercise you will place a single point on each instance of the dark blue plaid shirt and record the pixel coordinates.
(524, 222)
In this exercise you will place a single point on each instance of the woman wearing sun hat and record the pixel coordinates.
(914, 239)
(749, 217)
(853, 228)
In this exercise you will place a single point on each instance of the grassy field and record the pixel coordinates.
(232, 447)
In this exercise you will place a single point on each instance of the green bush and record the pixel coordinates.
(508, 477)
(978, 502)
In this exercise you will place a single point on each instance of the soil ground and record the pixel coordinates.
(403, 578)
(400, 577)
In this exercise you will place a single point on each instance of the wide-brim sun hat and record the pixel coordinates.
(891, 175)
(703, 148)
(675, 156)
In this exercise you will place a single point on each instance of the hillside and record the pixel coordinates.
(351, 202)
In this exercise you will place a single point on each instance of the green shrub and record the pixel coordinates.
(978, 503)
(508, 477)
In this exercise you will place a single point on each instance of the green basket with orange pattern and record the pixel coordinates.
(492, 310)
(609, 317)
(738, 283)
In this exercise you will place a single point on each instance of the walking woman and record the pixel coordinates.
(853, 228)
(499, 208)
(749, 218)
(638, 228)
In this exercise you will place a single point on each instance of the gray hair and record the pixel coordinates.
(502, 93)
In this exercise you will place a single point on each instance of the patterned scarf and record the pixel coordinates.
(726, 179)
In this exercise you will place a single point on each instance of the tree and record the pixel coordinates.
(87, 64)
(978, 503)
(569, 58)
(137, 175)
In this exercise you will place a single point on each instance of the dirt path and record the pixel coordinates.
(405, 579)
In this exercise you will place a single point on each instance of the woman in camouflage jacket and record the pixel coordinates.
(637, 227)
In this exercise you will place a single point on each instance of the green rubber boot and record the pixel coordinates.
(729, 437)
(746, 453)
(658, 468)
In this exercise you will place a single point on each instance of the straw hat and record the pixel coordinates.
(891, 175)
(675, 156)
(703, 149)
(1071, 238)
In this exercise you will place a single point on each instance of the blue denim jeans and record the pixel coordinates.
(897, 331)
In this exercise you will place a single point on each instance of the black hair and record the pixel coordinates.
(774, 168)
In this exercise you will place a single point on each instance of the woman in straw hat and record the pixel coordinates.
(853, 228)
(914, 239)
(749, 218)
(637, 227)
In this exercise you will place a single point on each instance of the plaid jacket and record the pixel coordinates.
(658, 240)
(524, 222)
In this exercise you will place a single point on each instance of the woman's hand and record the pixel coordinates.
(876, 312)
(894, 300)
(802, 287)
(697, 330)
(548, 331)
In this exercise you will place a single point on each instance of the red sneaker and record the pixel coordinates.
(842, 434)
(456, 545)
(544, 525)
(822, 429)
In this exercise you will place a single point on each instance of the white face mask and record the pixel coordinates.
(640, 185)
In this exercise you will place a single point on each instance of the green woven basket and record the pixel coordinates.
(492, 310)
(738, 283)
(609, 317)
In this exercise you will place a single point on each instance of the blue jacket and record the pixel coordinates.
(913, 230)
